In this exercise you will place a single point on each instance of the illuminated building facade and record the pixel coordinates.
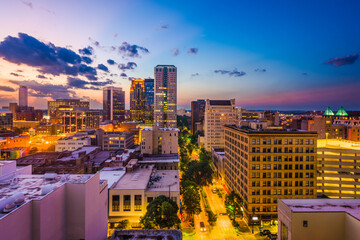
(165, 96)
(53, 107)
(137, 99)
(149, 100)
(113, 104)
(217, 114)
(113, 141)
(157, 140)
(6, 119)
(78, 119)
(197, 115)
(338, 168)
(264, 165)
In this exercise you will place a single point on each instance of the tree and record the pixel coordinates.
(190, 197)
(161, 213)
(33, 150)
(212, 217)
(233, 203)
(198, 172)
(122, 224)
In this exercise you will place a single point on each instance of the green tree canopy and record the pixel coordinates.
(161, 213)
(191, 197)
(233, 203)
(199, 172)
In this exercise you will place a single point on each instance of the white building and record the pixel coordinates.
(217, 114)
(320, 219)
(159, 140)
(165, 91)
(52, 207)
(71, 143)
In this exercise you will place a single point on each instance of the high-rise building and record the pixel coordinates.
(78, 119)
(23, 96)
(137, 99)
(159, 140)
(263, 165)
(113, 104)
(197, 115)
(165, 96)
(149, 100)
(217, 114)
(54, 106)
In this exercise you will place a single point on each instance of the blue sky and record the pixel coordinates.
(266, 54)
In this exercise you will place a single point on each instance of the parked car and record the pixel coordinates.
(265, 232)
(214, 190)
(272, 236)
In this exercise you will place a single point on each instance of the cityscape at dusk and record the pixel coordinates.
(171, 120)
(267, 55)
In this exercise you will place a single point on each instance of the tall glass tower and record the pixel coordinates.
(113, 104)
(149, 100)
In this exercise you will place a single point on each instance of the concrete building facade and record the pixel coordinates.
(113, 103)
(265, 165)
(159, 140)
(71, 143)
(112, 141)
(197, 115)
(23, 96)
(218, 113)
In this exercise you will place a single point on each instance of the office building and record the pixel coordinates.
(23, 96)
(165, 96)
(157, 140)
(338, 168)
(50, 206)
(78, 119)
(113, 141)
(71, 143)
(59, 104)
(197, 115)
(149, 100)
(263, 165)
(217, 159)
(217, 114)
(137, 99)
(113, 104)
(6, 119)
(320, 219)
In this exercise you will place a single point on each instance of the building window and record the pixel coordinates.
(305, 223)
(115, 203)
(137, 203)
(127, 202)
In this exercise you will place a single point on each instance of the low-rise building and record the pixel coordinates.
(157, 140)
(112, 141)
(217, 157)
(53, 207)
(6, 119)
(71, 143)
(173, 234)
(320, 219)
(13, 140)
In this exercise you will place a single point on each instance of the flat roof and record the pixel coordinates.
(338, 144)
(167, 178)
(220, 102)
(350, 206)
(138, 179)
(75, 154)
(31, 185)
(249, 130)
(112, 176)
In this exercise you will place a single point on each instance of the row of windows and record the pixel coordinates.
(281, 158)
(126, 203)
(281, 150)
(285, 141)
(282, 183)
(282, 175)
(282, 192)
(284, 166)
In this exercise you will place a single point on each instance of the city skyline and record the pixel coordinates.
(298, 56)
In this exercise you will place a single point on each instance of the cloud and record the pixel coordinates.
(83, 84)
(340, 61)
(130, 50)
(234, 72)
(103, 67)
(53, 91)
(28, 4)
(86, 51)
(123, 75)
(193, 51)
(260, 70)
(93, 42)
(86, 60)
(175, 52)
(116, 35)
(48, 58)
(111, 62)
(7, 89)
(194, 74)
(128, 66)
(164, 26)
(41, 76)
(113, 75)
(304, 73)
(16, 74)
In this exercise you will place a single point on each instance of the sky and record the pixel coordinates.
(280, 55)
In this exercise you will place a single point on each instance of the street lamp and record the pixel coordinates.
(254, 218)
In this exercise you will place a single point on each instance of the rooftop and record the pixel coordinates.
(249, 130)
(137, 179)
(220, 102)
(75, 154)
(166, 178)
(350, 206)
(112, 176)
(338, 144)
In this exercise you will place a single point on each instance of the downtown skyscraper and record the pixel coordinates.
(137, 99)
(23, 96)
(149, 100)
(113, 103)
(165, 96)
